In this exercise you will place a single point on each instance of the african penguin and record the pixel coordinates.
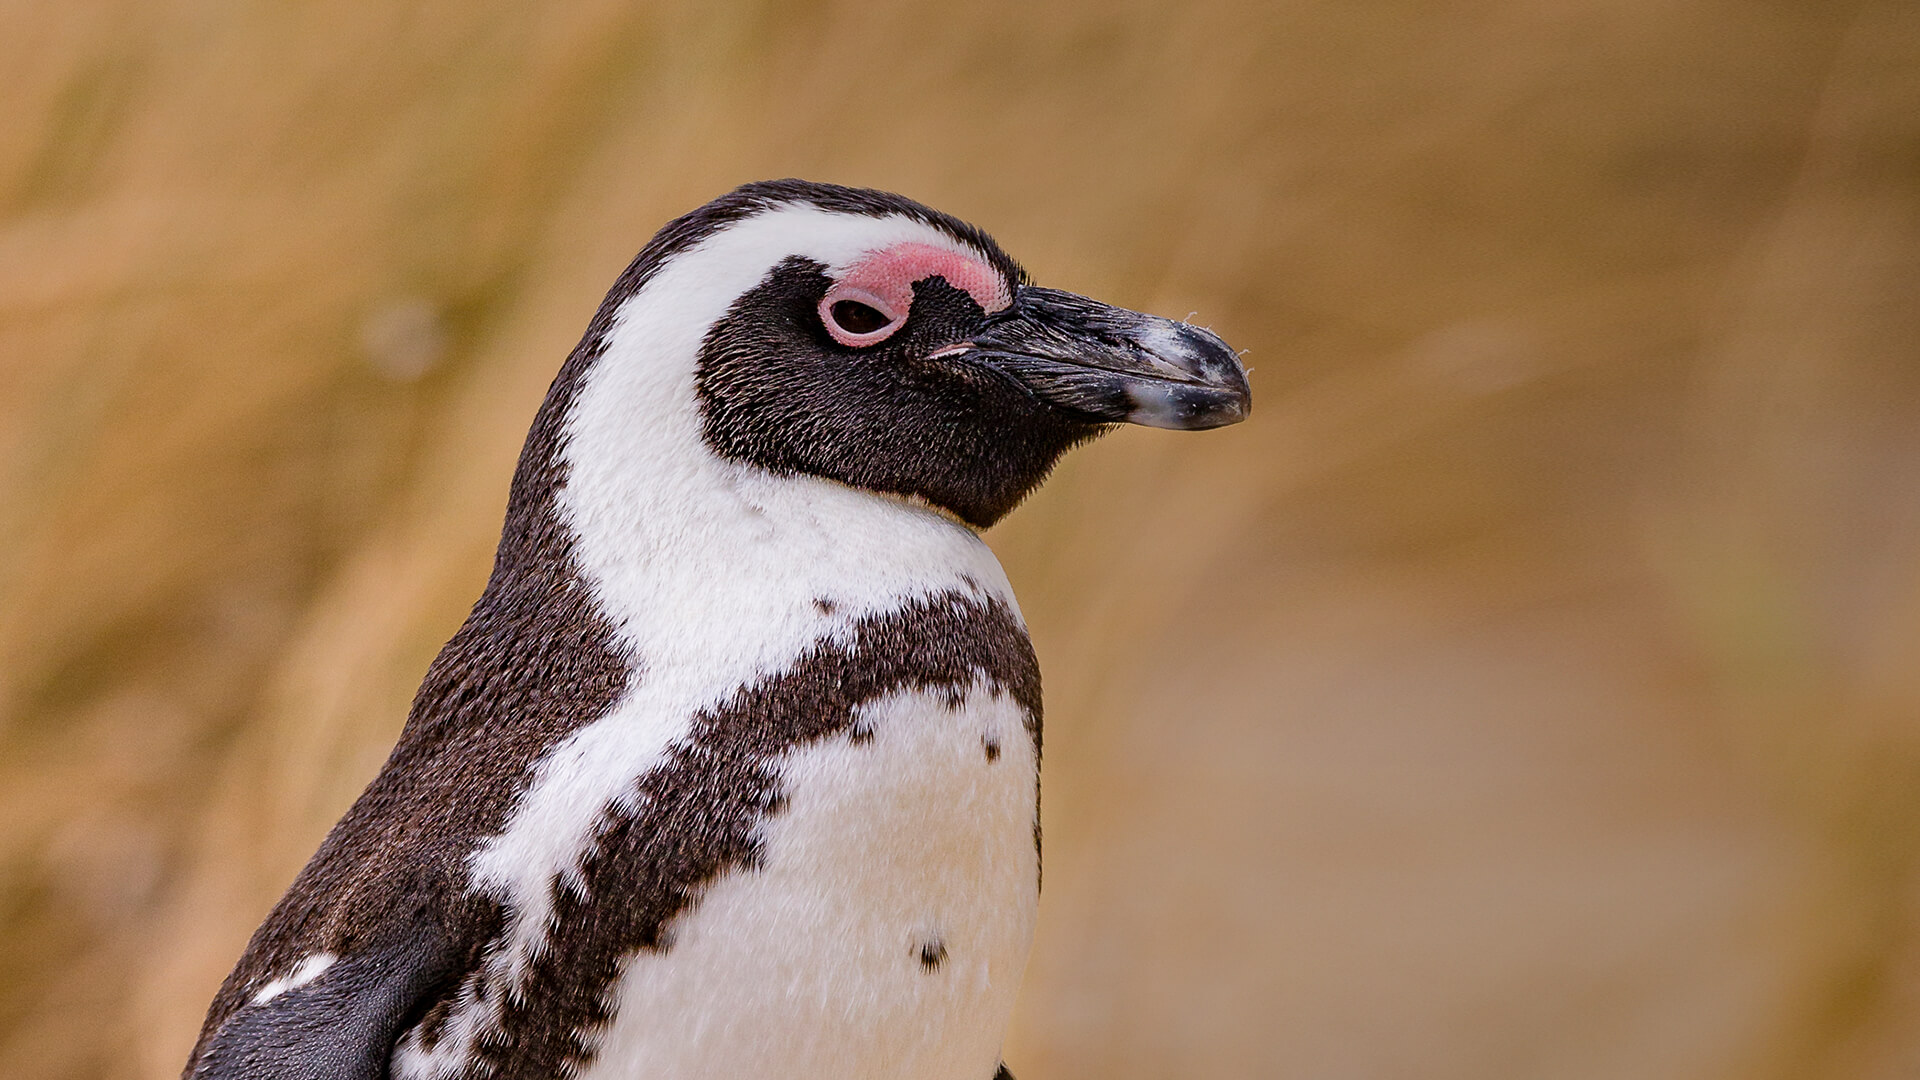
(733, 769)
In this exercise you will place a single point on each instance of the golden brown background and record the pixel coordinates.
(1531, 689)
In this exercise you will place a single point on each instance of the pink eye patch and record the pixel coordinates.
(871, 300)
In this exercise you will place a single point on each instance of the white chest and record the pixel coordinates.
(883, 934)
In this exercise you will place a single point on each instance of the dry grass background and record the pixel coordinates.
(1531, 689)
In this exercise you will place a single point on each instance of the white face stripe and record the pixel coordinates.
(839, 241)
(708, 569)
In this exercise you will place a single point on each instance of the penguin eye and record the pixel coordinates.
(856, 317)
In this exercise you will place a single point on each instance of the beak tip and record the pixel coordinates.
(1219, 396)
(1189, 406)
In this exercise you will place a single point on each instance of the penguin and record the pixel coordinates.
(733, 769)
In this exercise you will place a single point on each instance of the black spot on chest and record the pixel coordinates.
(932, 954)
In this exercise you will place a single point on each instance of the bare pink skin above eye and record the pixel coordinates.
(884, 281)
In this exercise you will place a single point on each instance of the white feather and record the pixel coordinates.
(308, 969)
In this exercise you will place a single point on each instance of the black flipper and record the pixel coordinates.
(341, 1026)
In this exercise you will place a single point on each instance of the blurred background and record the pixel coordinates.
(1530, 689)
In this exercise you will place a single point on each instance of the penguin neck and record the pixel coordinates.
(691, 556)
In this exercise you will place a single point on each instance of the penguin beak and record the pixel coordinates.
(1110, 365)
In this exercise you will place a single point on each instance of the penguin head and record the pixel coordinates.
(863, 338)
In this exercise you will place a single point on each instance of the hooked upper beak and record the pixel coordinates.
(1108, 364)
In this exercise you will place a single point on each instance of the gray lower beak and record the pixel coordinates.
(1111, 365)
